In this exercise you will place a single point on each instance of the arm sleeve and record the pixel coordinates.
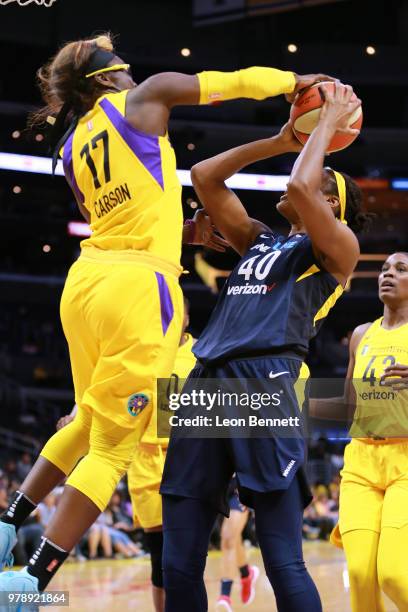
(256, 83)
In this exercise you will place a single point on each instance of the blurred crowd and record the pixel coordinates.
(323, 513)
(113, 535)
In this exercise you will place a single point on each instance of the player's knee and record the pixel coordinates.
(228, 542)
(157, 572)
(154, 541)
(359, 575)
(280, 571)
(393, 583)
(182, 570)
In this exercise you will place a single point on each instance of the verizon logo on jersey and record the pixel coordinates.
(249, 289)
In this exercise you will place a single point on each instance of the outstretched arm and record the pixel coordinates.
(149, 104)
(223, 206)
(334, 243)
(257, 83)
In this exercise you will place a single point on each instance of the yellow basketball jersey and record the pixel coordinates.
(127, 180)
(185, 359)
(380, 411)
(300, 384)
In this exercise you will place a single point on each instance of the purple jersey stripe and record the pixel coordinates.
(166, 305)
(144, 146)
(69, 169)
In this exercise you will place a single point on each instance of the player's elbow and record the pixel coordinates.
(197, 174)
(201, 175)
(300, 191)
(297, 187)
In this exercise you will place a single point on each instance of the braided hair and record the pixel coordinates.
(358, 220)
(65, 90)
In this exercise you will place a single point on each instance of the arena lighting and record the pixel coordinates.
(185, 52)
(42, 165)
(292, 48)
(370, 50)
(400, 183)
(242, 180)
(78, 228)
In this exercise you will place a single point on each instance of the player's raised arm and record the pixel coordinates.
(256, 83)
(223, 205)
(334, 243)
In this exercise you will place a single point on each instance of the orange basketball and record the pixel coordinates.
(305, 113)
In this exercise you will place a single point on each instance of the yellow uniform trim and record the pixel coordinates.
(329, 303)
(331, 300)
(312, 270)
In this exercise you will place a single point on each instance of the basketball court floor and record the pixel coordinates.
(124, 585)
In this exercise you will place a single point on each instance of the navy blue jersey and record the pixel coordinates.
(275, 299)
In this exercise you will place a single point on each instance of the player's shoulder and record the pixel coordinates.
(261, 233)
(358, 334)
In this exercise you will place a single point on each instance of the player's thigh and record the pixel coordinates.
(361, 501)
(138, 339)
(82, 343)
(395, 510)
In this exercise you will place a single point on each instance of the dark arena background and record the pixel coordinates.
(363, 43)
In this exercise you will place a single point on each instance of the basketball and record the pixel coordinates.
(305, 113)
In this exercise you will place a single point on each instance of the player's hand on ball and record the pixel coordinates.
(306, 80)
(205, 233)
(395, 376)
(63, 421)
(338, 107)
(288, 138)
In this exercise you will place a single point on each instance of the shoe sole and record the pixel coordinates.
(257, 572)
(223, 605)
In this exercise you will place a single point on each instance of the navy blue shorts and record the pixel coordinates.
(201, 468)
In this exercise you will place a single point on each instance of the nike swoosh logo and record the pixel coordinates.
(272, 375)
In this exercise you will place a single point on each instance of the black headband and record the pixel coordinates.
(100, 58)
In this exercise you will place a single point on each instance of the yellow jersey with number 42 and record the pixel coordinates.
(381, 411)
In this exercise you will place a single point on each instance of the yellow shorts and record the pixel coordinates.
(374, 485)
(122, 315)
(144, 478)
